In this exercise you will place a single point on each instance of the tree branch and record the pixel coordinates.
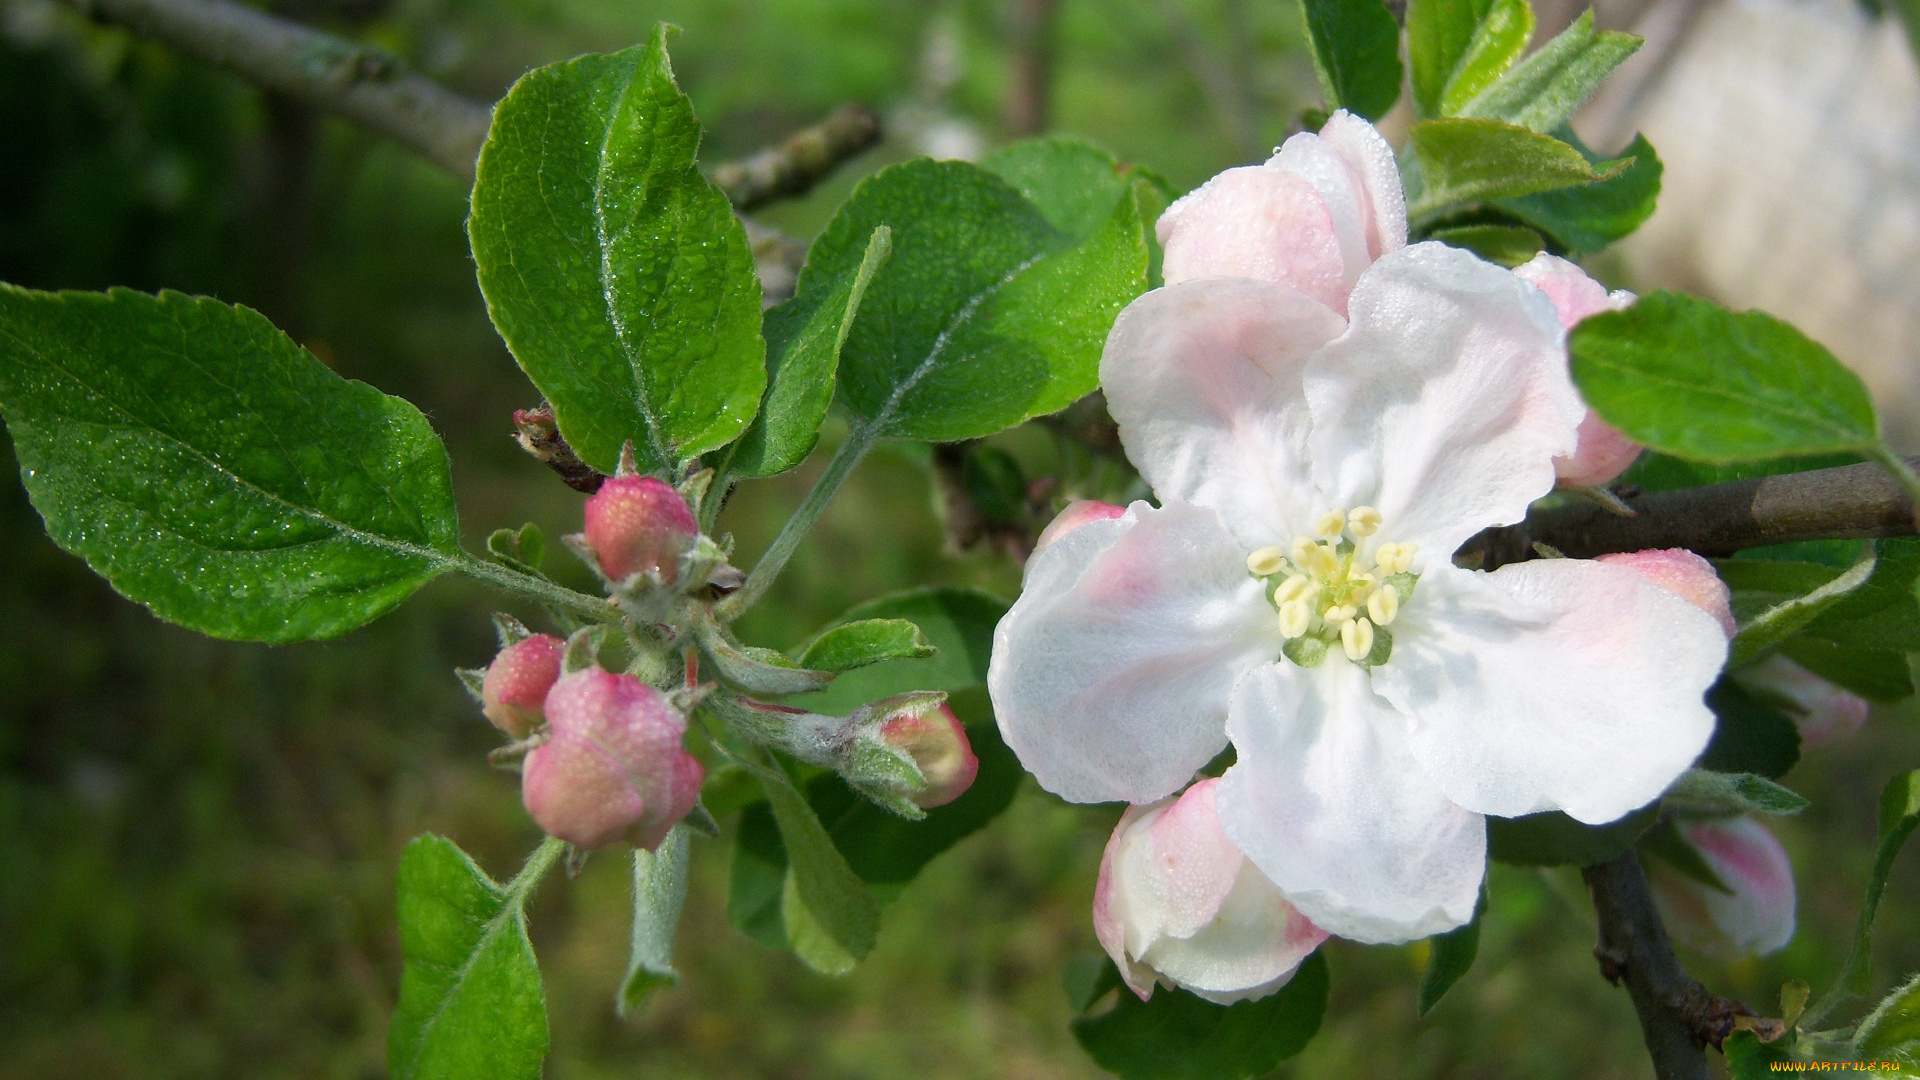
(362, 83)
(803, 160)
(1851, 501)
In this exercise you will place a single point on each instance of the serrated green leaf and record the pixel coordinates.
(1074, 184)
(1586, 218)
(1355, 45)
(616, 272)
(1749, 735)
(804, 339)
(868, 641)
(1476, 160)
(986, 315)
(1177, 1036)
(213, 470)
(1704, 791)
(1543, 91)
(1892, 1029)
(1881, 675)
(1451, 957)
(830, 918)
(1772, 600)
(1899, 815)
(958, 622)
(471, 1003)
(1692, 379)
(1508, 245)
(659, 892)
(1554, 839)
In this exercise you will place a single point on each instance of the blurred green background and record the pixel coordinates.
(198, 838)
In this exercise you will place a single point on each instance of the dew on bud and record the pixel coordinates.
(514, 691)
(637, 524)
(613, 765)
(1684, 574)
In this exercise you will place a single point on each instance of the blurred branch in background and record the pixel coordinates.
(794, 166)
(1033, 42)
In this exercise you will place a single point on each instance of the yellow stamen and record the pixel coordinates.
(1295, 617)
(1266, 561)
(1330, 524)
(1356, 638)
(1363, 521)
(1383, 605)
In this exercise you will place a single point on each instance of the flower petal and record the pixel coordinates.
(1352, 167)
(1327, 800)
(1256, 222)
(1203, 379)
(1446, 400)
(1556, 684)
(1111, 675)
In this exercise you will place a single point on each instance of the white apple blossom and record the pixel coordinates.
(1292, 594)
(1178, 904)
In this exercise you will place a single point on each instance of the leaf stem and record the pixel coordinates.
(860, 439)
(1903, 475)
(536, 867)
(558, 597)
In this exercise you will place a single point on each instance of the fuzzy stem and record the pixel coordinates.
(860, 439)
(558, 597)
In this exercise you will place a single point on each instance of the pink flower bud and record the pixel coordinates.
(1824, 711)
(1075, 515)
(1756, 917)
(1602, 452)
(613, 764)
(639, 523)
(1178, 904)
(515, 689)
(1684, 574)
(937, 743)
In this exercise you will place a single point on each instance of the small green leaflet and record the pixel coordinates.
(1457, 48)
(1543, 91)
(615, 271)
(986, 315)
(830, 918)
(1074, 184)
(213, 470)
(471, 1003)
(804, 339)
(1451, 957)
(1892, 1029)
(1774, 600)
(1508, 245)
(1703, 791)
(1177, 1036)
(659, 892)
(869, 641)
(1474, 160)
(1586, 218)
(957, 622)
(1356, 52)
(1899, 814)
(1692, 379)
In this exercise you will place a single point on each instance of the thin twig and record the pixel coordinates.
(1847, 502)
(801, 161)
(364, 84)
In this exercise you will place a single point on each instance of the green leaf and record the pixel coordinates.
(804, 339)
(1881, 675)
(1883, 613)
(659, 892)
(1457, 48)
(471, 1003)
(1554, 839)
(1749, 735)
(869, 641)
(995, 484)
(1545, 89)
(1750, 1059)
(1704, 791)
(1469, 161)
(1451, 957)
(1355, 46)
(1508, 245)
(757, 874)
(1086, 976)
(986, 315)
(958, 622)
(216, 472)
(1772, 600)
(1177, 1036)
(1892, 1029)
(1692, 379)
(1586, 218)
(1074, 184)
(1899, 814)
(830, 918)
(1655, 471)
(617, 274)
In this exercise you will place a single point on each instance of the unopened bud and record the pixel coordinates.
(1075, 515)
(1755, 913)
(1177, 903)
(613, 764)
(1602, 453)
(1684, 574)
(1824, 711)
(517, 682)
(636, 524)
(937, 743)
